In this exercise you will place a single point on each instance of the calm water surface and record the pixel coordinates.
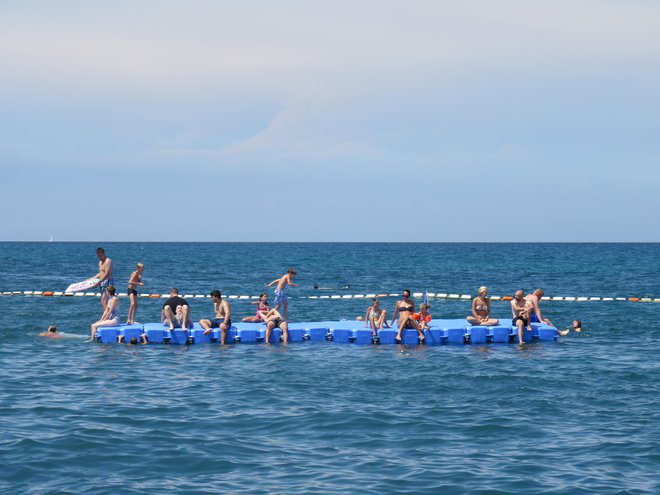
(576, 416)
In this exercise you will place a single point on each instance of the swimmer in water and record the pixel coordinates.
(576, 326)
(52, 333)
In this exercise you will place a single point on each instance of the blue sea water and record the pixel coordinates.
(576, 416)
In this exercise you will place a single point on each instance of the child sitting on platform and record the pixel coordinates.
(423, 318)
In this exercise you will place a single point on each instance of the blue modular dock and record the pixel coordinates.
(442, 332)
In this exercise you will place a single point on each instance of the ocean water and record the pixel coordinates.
(576, 416)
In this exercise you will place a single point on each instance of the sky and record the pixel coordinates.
(367, 121)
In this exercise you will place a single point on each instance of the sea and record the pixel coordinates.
(580, 415)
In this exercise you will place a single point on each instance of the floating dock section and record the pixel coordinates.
(442, 332)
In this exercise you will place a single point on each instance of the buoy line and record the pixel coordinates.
(415, 295)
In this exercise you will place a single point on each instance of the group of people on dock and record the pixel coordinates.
(176, 312)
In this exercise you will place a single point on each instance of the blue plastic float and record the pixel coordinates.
(442, 332)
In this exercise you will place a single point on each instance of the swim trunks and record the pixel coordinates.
(280, 296)
(216, 322)
(534, 318)
(525, 322)
(103, 286)
(178, 323)
(277, 321)
(132, 291)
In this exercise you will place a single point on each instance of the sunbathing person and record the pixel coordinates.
(262, 308)
(481, 309)
(404, 309)
(110, 317)
(375, 317)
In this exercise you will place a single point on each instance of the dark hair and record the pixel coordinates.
(52, 328)
(216, 293)
(406, 290)
(133, 341)
(579, 323)
(292, 271)
(111, 290)
(100, 250)
(175, 290)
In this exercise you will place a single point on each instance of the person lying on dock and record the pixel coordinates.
(262, 308)
(221, 319)
(481, 309)
(176, 312)
(576, 326)
(520, 309)
(423, 318)
(274, 320)
(535, 300)
(375, 317)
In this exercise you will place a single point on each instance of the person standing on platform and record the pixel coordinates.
(133, 283)
(104, 275)
(280, 290)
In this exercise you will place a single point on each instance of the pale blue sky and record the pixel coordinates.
(493, 120)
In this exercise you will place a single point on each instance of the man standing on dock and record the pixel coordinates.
(104, 275)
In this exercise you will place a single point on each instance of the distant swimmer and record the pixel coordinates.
(221, 317)
(576, 326)
(280, 290)
(104, 275)
(110, 316)
(343, 287)
(52, 333)
(133, 283)
(481, 309)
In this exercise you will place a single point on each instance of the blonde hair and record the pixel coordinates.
(140, 265)
(482, 290)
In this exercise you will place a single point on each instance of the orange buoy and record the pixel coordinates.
(634, 299)
(48, 293)
(154, 296)
(382, 295)
(507, 298)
